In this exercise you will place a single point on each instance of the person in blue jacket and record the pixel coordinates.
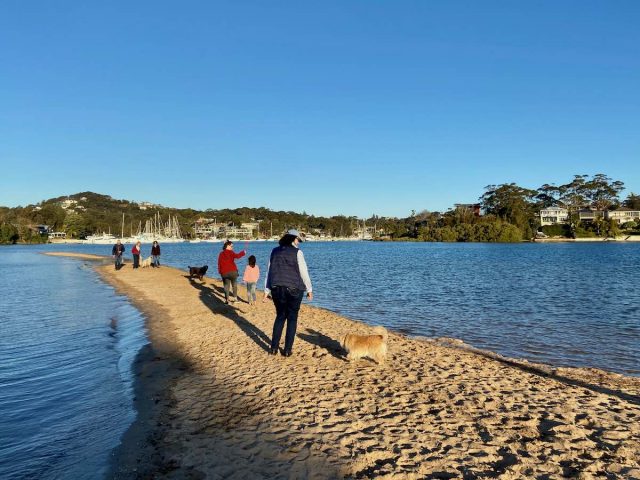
(117, 251)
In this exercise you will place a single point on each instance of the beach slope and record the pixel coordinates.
(218, 406)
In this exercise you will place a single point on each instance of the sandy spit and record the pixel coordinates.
(80, 256)
(213, 404)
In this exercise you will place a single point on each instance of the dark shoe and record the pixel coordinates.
(273, 351)
(286, 353)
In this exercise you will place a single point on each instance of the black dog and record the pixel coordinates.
(198, 271)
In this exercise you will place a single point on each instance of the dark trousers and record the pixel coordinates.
(136, 260)
(287, 302)
(230, 282)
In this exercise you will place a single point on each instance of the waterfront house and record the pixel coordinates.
(589, 214)
(623, 215)
(553, 216)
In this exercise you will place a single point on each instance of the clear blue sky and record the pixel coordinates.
(352, 107)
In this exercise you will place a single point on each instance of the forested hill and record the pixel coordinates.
(86, 213)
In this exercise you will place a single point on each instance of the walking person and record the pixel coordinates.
(117, 251)
(155, 254)
(250, 277)
(228, 270)
(135, 250)
(287, 280)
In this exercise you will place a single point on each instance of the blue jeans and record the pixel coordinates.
(287, 302)
(251, 292)
(155, 260)
(118, 261)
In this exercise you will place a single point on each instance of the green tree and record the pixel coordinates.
(602, 192)
(8, 234)
(514, 204)
(632, 201)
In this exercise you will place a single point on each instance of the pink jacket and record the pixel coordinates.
(251, 274)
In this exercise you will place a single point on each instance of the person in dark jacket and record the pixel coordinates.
(286, 281)
(155, 254)
(228, 270)
(117, 251)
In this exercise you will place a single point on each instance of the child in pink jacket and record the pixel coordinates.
(250, 277)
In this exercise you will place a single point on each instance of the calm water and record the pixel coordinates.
(67, 343)
(67, 340)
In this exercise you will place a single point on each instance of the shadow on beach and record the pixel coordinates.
(217, 305)
(319, 339)
(573, 382)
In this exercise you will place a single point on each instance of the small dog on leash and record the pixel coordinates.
(372, 346)
(198, 271)
(146, 262)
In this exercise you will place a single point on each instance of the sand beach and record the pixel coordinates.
(213, 404)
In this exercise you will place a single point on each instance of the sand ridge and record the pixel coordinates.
(432, 411)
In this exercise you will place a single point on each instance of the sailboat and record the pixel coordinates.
(155, 230)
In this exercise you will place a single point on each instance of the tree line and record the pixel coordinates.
(510, 213)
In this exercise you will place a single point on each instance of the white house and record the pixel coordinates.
(623, 215)
(553, 216)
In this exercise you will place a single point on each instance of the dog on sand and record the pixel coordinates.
(198, 271)
(372, 346)
(146, 262)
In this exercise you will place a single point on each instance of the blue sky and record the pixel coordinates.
(345, 107)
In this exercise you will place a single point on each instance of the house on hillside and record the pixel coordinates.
(589, 214)
(472, 207)
(553, 216)
(623, 215)
(232, 231)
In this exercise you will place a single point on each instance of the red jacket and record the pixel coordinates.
(135, 251)
(226, 261)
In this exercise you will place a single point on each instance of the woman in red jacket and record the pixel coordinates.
(228, 270)
(136, 254)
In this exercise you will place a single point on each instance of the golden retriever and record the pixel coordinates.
(146, 262)
(372, 346)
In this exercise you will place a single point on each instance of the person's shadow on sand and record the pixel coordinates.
(216, 305)
(332, 346)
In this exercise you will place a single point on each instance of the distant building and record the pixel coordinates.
(472, 207)
(553, 216)
(43, 229)
(60, 235)
(147, 205)
(589, 215)
(251, 225)
(623, 215)
(231, 231)
(68, 203)
(556, 215)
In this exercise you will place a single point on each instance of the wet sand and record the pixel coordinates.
(213, 404)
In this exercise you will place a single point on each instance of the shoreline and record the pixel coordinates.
(207, 394)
